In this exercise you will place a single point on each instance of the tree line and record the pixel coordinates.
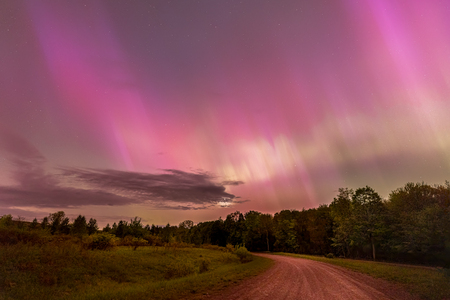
(411, 225)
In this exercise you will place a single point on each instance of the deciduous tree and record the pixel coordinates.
(342, 214)
(368, 217)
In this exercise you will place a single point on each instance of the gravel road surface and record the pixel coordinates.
(295, 278)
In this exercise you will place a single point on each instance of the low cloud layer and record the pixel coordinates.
(72, 187)
(171, 188)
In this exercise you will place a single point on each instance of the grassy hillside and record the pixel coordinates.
(65, 270)
(426, 282)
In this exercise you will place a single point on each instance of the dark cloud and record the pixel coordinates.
(232, 182)
(240, 201)
(73, 187)
(170, 187)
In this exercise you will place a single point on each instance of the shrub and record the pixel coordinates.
(243, 254)
(230, 248)
(204, 265)
(6, 221)
(133, 242)
(136, 242)
(153, 240)
(330, 255)
(12, 236)
(228, 258)
(100, 241)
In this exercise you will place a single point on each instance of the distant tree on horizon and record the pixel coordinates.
(79, 226)
(92, 226)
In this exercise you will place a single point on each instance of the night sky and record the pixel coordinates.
(175, 110)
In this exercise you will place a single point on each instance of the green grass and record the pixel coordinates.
(64, 270)
(425, 282)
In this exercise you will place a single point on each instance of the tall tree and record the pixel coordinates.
(234, 225)
(320, 228)
(92, 226)
(44, 223)
(218, 233)
(342, 214)
(34, 224)
(266, 223)
(253, 233)
(107, 228)
(285, 233)
(369, 216)
(420, 217)
(184, 230)
(136, 227)
(56, 219)
(65, 226)
(121, 230)
(79, 226)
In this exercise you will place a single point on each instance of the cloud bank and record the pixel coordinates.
(36, 185)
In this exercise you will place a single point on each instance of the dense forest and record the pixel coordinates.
(411, 225)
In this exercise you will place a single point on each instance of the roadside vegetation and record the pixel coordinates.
(425, 282)
(38, 265)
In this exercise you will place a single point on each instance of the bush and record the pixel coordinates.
(12, 236)
(228, 258)
(230, 248)
(153, 240)
(243, 254)
(6, 221)
(100, 241)
(133, 242)
(204, 265)
(330, 255)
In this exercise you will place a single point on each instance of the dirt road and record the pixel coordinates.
(295, 278)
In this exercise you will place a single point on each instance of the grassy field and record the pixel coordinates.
(426, 282)
(67, 271)
(64, 269)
